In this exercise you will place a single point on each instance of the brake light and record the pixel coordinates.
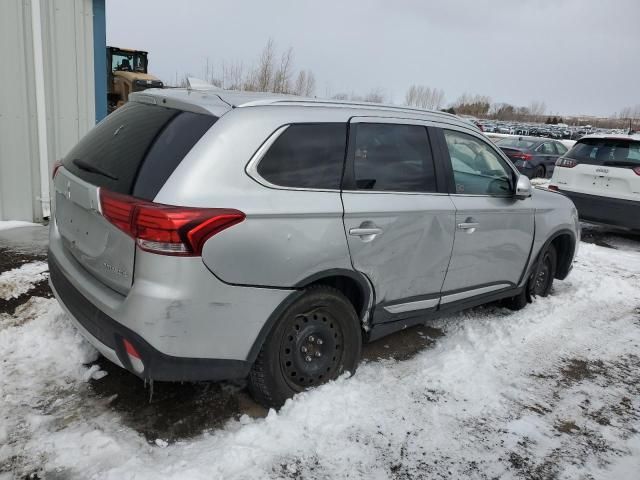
(522, 156)
(636, 170)
(566, 162)
(55, 168)
(553, 188)
(166, 229)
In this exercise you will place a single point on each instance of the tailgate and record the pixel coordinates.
(622, 183)
(104, 250)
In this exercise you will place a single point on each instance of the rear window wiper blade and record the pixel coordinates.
(87, 167)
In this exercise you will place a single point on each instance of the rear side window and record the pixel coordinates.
(546, 148)
(136, 148)
(306, 156)
(393, 157)
(606, 151)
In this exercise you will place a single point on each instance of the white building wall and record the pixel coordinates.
(47, 96)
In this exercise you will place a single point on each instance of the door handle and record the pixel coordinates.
(468, 227)
(362, 232)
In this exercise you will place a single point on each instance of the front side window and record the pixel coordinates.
(393, 157)
(477, 168)
(306, 156)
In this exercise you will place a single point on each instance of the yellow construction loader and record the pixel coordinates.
(127, 73)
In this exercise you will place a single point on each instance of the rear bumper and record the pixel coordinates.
(605, 210)
(107, 336)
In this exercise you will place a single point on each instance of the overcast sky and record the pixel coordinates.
(578, 56)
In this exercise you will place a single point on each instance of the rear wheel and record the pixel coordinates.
(539, 172)
(316, 339)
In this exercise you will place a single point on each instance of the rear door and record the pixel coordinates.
(398, 221)
(547, 151)
(494, 231)
(132, 152)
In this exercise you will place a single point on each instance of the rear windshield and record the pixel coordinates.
(135, 149)
(516, 142)
(606, 151)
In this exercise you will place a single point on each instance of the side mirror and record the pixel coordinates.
(523, 187)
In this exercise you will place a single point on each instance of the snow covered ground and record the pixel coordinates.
(7, 224)
(552, 391)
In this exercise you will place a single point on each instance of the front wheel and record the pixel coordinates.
(316, 338)
(539, 283)
(545, 273)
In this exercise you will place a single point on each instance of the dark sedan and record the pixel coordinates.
(535, 157)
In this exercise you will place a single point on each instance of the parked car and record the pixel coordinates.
(601, 174)
(532, 156)
(215, 236)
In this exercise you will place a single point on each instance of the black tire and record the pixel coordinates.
(518, 302)
(540, 172)
(539, 283)
(316, 339)
(545, 273)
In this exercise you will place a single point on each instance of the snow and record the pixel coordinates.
(549, 391)
(20, 280)
(7, 224)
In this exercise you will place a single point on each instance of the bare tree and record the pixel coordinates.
(282, 76)
(263, 76)
(424, 97)
(537, 109)
(375, 96)
(310, 85)
(629, 112)
(476, 105)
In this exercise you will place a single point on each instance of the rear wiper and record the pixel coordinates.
(87, 167)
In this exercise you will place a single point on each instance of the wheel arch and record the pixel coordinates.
(355, 286)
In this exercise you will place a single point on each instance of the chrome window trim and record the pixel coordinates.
(472, 293)
(252, 167)
(410, 306)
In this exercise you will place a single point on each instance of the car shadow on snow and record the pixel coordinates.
(173, 411)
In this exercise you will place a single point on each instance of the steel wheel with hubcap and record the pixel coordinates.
(314, 340)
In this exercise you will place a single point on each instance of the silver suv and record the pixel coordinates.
(207, 235)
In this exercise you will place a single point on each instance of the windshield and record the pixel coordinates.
(129, 61)
(516, 142)
(606, 151)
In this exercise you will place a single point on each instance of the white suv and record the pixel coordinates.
(601, 174)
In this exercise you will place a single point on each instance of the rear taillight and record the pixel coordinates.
(553, 188)
(636, 170)
(522, 156)
(166, 229)
(566, 162)
(55, 168)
